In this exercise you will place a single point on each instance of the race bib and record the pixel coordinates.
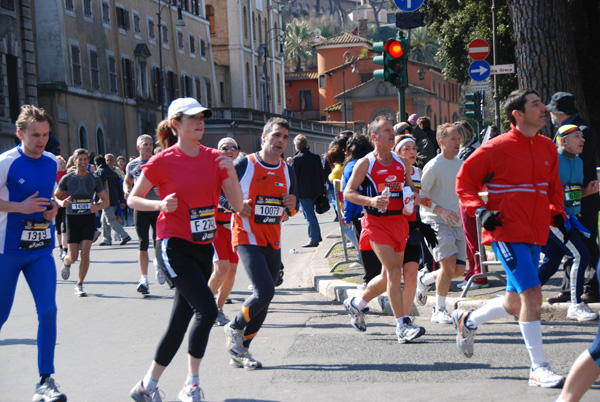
(572, 196)
(81, 205)
(35, 235)
(268, 210)
(395, 188)
(203, 224)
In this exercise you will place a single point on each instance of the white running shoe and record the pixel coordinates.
(143, 287)
(408, 332)
(246, 361)
(234, 340)
(357, 317)
(48, 391)
(581, 312)
(222, 319)
(79, 292)
(140, 394)
(191, 393)
(65, 272)
(441, 316)
(421, 295)
(465, 336)
(543, 376)
(160, 278)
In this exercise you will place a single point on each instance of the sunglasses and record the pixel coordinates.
(229, 148)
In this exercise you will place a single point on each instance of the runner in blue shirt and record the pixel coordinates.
(27, 179)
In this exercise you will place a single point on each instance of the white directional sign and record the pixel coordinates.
(479, 70)
(502, 69)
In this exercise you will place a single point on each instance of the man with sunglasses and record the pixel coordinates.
(225, 259)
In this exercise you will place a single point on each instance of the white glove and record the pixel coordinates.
(409, 200)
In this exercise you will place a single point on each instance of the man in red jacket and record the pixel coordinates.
(525, 197)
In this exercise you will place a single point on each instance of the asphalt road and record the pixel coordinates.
(107, 340)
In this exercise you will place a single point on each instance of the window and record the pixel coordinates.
(198, 89)
(196, 7)
(222, 91)
(156, 89)
(151, 33)
(94, 72)
(143, 77)
(192, 43)
(105, 13)
(2, 101)
(245, 22)
(210, 16)
(8, 5)
(185, 5)
(208, 92)
(165, 35)
(322, 82)
(254, 37)
(128, 77)
(256, 80)
(202, 48)
(83, 138)
(187, 90)
(69, 6)
(278, 89)
(136, 24)
(180, 41)
(305, 99)
(87, 9)
(112, 74)
(248, 80)
(172, 86)
(76, 65)
(122, 18)
(100, 144)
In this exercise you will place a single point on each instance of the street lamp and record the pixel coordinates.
(263, 50)
(349, 58)
(180, 23)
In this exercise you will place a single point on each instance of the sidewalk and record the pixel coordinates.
(338, 290)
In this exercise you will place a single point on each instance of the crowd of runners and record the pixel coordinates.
(204, 224)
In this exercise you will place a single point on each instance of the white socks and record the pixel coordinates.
(428, 279)
(440, 302)
(359, 303)
(192, 380)
(492, 310)
(532, 335)
(149, 383)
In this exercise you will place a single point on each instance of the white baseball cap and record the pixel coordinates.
(187, 106)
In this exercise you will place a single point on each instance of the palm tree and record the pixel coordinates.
(423, 46)
(298, 43)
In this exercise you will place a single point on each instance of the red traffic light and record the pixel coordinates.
(394, 48)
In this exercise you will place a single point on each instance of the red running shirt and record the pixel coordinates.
(197, 182)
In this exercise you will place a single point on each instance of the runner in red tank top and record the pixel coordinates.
(269, 187)
(384, 226)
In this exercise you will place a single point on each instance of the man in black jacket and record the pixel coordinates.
(563, 111)
(114, 190)
(310, 177)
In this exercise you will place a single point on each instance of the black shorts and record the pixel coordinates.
(80, 227)
(144, 220)
(414, 250)
(179, 258)
(59, 221)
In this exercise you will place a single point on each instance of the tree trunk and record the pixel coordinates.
(545, 53)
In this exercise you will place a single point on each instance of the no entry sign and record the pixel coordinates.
(479, 49)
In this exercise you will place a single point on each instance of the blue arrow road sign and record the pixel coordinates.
(479, 70)
(408, 5)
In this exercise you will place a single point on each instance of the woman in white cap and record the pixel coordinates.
(189, 177)
(225, 259)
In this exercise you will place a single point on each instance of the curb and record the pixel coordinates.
(338, 290)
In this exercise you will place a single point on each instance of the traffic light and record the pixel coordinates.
(473, 105)
(394, 62)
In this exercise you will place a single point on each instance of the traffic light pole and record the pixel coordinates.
(401, 105)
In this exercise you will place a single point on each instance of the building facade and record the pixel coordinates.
(17, 65)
